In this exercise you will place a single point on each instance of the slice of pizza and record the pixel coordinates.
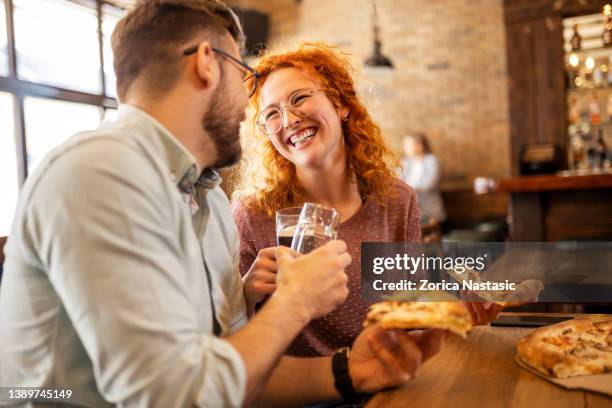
(452, 316)
(526, 291)
(568, 349)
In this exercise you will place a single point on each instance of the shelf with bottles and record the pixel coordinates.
(599, 88)
(592, 73)
(590, 107)
(588, 151)
(606, 123)
(595, 52)
(589, 135)
(589, 34)
(588, 66)
(588, 63)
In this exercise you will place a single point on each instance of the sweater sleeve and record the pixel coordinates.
(408, 206)
(248, 249)
(413, 229)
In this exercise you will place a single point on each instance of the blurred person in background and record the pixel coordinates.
(421, 171)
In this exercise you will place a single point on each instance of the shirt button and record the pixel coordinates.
(173, 176)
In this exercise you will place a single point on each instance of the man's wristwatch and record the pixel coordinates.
(342, 378)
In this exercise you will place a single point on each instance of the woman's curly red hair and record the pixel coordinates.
(268, 179)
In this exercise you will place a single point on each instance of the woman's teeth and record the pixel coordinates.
(300, 138)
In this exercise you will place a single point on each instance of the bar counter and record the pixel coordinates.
(480, 371)
(559, 207)
(560, 182)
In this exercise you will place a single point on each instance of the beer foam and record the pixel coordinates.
(287, 231)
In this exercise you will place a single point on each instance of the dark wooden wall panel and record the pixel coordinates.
(550, 80)
(521, 87)
(526, 217)
(465, 207)
(578, 215)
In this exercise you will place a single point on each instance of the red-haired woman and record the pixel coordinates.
(314, 141)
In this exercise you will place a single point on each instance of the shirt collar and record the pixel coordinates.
(182, 165)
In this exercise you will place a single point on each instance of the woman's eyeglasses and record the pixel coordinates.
(251, 76)
(301, 103)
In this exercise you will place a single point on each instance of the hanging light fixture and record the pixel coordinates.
(377, 59)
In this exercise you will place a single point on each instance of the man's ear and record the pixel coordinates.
(207, 66)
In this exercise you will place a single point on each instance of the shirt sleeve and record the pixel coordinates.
(248, 250)
(109, 239)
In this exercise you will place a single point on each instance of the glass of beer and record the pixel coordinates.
(316, 226)
(286, 220)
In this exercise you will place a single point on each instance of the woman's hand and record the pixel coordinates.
(260, 280)
(482, 311)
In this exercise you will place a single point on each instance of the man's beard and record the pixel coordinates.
(222, 123)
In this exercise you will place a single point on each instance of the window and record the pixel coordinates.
(4, 67)
(57, 43)
(9, 182)
(110, 115)
(62, 54)
(110, 17)
(49, 122)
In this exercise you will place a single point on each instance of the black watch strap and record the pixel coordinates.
(342, 378)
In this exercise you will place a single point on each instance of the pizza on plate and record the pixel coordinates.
(452, 316)
(568, 349)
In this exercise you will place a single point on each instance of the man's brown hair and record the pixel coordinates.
(147, 41)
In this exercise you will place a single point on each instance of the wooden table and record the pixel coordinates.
(480, 372)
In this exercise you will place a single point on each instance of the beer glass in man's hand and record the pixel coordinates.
(286, 220)
(316, 226)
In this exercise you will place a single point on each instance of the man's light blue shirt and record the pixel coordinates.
(104, 289)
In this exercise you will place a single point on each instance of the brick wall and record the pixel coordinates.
(450, 71)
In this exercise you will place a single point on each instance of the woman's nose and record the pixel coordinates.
(290, 119)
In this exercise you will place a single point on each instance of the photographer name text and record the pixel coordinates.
(425, 284)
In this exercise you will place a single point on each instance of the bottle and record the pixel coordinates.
(601, 150)
(609, 108)
(604, 72)
(576, 40)
(597, 76)
(606, 36)
(574, 110)
(588, 72)
(571, 68)
(578, 152)
(594, 110)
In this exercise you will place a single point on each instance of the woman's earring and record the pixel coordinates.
(345, 118)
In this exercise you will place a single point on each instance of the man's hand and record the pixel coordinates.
(314, 283)
(382, 358)
(260, 280)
